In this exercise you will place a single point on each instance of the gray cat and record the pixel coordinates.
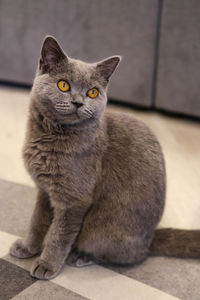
(100, 176)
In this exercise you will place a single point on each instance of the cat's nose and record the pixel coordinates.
(77, 101)
(77, 104)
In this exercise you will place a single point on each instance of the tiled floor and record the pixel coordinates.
(181, 145)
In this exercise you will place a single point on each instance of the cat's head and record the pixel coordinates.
(69, 90)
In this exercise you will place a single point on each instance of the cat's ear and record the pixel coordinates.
(107, 66)
(51, 54)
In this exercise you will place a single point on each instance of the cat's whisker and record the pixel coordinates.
(87, 112)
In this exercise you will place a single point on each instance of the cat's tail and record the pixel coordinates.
(176, 242)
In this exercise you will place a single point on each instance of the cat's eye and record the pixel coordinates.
(93, 93)
(63, 85)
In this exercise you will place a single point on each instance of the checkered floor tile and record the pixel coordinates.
(156, 278)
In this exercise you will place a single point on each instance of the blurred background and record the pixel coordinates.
(159, 41)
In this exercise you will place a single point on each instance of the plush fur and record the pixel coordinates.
(100, 176)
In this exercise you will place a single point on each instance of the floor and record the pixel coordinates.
(180, 140)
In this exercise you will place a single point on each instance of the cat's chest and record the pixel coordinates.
(53, 169)
(43, 162)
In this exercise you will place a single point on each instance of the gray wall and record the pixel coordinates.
(87, 29)
(178, 80)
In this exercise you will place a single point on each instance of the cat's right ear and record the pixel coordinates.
(107, 66)
(51, 54)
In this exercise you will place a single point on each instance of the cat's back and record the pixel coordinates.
(124, 130)
(133, 148)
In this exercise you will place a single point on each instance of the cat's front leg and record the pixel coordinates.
(40, 222)
(59, 240)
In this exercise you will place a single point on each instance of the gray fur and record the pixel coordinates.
(100, 176)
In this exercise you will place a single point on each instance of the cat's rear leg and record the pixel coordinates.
(108, 249)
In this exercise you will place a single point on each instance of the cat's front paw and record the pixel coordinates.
(44, 270)
(19, 250)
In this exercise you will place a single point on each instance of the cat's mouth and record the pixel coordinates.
(68, 113)
(65, 109)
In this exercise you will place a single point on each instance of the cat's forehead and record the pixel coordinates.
(79, 72)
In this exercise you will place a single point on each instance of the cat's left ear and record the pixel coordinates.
(51, 54)
(107, 66)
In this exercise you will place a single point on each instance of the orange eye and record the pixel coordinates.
(93, 93)
(63, 85)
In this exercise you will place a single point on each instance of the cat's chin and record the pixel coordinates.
(81, 123)
(73, 118)
(77, 121)
(70, 120)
